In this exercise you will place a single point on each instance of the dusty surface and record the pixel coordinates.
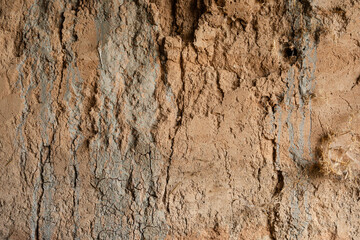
(165, 119)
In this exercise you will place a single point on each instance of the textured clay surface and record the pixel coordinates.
(169, 119)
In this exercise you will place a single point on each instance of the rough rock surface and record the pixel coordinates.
(168, 119)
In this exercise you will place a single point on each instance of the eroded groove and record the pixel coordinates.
(279, 174)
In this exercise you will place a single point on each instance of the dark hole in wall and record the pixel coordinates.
(200, 7)
(306, 6)
(290, 52)
(317, 35)
(19, 44)
(188, 14)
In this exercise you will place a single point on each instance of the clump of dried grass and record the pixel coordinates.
(338, 153)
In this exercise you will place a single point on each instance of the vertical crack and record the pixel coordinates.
(271, 224)
(173, 13)
(219, 86)
(73, 90)
(273, 214)
(38, 210)
(166, 195)
(280, 176)
(181, 106)
(75, 189)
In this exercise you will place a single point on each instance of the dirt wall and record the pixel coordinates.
(168, 119)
